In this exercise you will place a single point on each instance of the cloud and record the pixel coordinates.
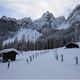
(35, 8)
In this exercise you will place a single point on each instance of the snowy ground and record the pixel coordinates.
(43, 65)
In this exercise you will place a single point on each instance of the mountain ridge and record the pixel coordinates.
(48, 26)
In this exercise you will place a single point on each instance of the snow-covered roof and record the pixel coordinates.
(71, 43)
(8, 50)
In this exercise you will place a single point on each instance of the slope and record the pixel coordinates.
(29, 34)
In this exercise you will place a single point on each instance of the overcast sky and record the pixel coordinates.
(35, 8)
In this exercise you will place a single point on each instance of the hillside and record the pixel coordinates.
(28, 34)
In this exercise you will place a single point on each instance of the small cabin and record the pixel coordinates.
(8, 54)
(72, 45)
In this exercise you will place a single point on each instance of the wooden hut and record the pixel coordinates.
(8, 54)
(72, 45)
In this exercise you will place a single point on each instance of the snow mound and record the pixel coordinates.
(29, 34)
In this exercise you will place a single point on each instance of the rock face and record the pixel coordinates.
(7, 26)
(48, 21)
(25, 23)
(75, 15)
(61, 20)
(73, 19)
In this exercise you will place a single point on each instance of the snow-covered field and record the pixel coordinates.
(43, 65)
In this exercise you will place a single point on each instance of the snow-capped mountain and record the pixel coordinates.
(48, 20)
(72, 20)
(8, 18)
(46, 25)
(8, 26)
(45, 22)
(61, 20)
(25, 22)
(29, 34)
(75, 15)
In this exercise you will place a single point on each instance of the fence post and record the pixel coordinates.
(56, 56)
(9, 63)
(76, 59)
(30, 58)
(27, 61)
(33, 56)
(62, 59)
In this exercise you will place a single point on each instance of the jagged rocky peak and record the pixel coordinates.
(46, 21)
(24, 20)
(47, 15)
(4, 17)
(77, 8)
(61, 19)
(75, 15)
(8, 18)
(27, 19)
